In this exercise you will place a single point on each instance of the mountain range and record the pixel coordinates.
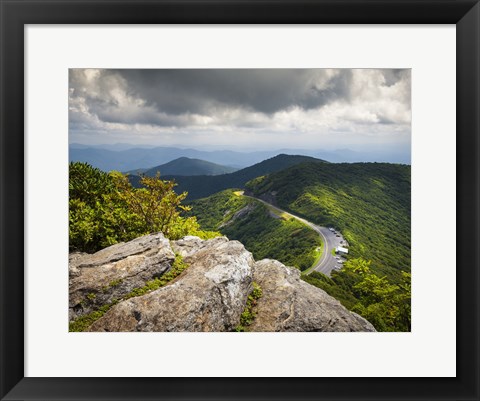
(124, 157)
(147, 158)
(201, 186)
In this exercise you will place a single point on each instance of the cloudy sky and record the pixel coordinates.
(245, 109)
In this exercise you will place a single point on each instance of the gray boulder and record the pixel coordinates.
(290, 304)
(209, 296)
(98, 279)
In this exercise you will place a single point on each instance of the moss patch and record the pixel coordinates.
(248, 315)
(178, 267)
(91, 296)
(83, 322)
(112, 284)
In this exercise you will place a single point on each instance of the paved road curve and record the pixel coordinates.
(327, 261)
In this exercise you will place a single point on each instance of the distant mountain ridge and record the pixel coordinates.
(123, 157)
(202, 186)
(147, 158)
(185, 166)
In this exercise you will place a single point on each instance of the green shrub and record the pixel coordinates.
(105, 209)
(384, 304)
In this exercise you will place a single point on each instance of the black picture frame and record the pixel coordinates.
(15, 14)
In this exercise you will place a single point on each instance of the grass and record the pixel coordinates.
(318, 252)
(276, 212)
(280, 213)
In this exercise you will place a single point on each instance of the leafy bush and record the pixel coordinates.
(331, 287)
(105, 209)
(384, 304)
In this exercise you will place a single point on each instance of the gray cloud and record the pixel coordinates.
(289, 102)
(266, 91)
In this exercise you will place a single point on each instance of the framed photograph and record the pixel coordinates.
(239, 200)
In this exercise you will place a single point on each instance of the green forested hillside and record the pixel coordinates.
(368, 202)
(384, 303)
(202, 186)
(263, 233)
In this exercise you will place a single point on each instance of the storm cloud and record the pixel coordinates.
(313, 107)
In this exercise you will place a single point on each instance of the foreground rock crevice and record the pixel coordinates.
(209, 296)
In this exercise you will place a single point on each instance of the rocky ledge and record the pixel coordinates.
(110, 274)
(210, 295)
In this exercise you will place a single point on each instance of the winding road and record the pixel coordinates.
(327, 261)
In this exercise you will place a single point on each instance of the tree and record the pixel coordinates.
(385, 305)
(106, 209)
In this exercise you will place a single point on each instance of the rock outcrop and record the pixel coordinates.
(210, 295)
(290, 304)
(98, 279)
